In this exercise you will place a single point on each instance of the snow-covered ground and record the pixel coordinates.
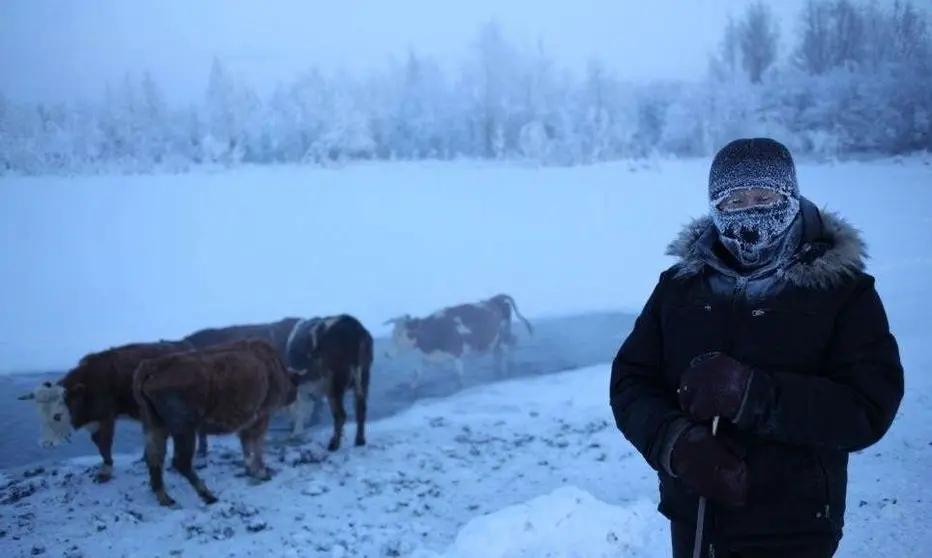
(529, 469)
(513, 469)
(424, 474)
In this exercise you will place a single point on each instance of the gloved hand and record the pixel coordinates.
(714, 385)
(706, 465)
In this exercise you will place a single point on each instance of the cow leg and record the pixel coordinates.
(142, 458)
(184, 462)
(460, 374)
(509, 345)
(506, 335)
(252, 440)
(103, 439)
(156, 445)
(499, 360)
(317, 407)
(360, 397)
(200, 458)
(201, 444)
(296, 412)
(335, 398)
(418, 372)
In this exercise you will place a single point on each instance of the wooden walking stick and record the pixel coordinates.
(700, 519)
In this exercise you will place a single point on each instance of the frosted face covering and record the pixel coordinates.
(752, 221)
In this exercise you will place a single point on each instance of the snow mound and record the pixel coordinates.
(568, 522)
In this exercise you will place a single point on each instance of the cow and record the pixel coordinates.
(275, 332)
(228, 388)
(450, 333)
(336, 353)
(94, 394)
(279, 334)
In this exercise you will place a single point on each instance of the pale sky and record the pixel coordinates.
(53, 49)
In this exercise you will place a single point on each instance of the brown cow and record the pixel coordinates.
(448, 334)
(336, 352)
(224, 389)
(279, 334)
(94, 394)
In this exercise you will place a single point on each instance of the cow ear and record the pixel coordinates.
(27, 396)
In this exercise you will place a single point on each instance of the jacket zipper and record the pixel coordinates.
(740, 286)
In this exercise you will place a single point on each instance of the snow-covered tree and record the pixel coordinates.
(856, 80)
(758, 37)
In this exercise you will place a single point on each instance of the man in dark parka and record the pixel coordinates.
(768, 321)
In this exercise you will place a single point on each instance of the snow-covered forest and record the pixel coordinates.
(848, 78)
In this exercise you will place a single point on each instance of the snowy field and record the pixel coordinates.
(523, 468)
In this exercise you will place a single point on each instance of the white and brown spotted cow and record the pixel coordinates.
(450, 334)
(334, 354)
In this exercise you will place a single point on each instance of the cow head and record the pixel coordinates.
(402, 338)
(54, 416)
(314, 370)
(73, 404)
(86, 404)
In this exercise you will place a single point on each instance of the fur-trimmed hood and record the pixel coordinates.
(832, 249)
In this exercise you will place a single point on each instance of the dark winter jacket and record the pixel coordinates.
(828, 379)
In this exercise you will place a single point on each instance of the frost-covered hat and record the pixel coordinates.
(750, 163)
(753, 163)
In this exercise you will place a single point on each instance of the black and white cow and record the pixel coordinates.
(333, 354)
(280, 334)
(450, 334)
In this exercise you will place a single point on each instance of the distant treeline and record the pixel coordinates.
(857, 81)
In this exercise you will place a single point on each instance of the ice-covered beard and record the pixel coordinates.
(754, 234)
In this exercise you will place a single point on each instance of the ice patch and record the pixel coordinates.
(568, 522)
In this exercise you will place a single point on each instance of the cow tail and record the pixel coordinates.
(514, 306)
(141, 375)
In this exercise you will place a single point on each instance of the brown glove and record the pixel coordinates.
(713, 386)
(709, 467)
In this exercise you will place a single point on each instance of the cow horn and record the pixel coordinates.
(27, 396)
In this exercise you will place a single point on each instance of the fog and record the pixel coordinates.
(56, 49)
